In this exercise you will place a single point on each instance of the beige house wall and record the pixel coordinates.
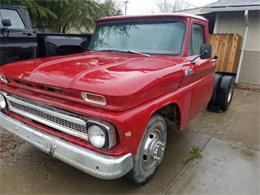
(253, 39)
(231, 22)
(234, 22)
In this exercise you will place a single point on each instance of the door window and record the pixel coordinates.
(14, 17)
(197, 39)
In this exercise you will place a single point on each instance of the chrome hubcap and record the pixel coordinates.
(153, 149)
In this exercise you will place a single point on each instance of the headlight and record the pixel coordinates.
(101, 134)
(97, 136)
(2, 102)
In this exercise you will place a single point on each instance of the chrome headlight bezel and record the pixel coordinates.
(109, 133)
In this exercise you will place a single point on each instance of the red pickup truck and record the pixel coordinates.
(103, 111)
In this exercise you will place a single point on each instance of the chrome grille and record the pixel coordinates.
(52, 117)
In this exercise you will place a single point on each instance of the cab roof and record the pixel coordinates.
(149, 17)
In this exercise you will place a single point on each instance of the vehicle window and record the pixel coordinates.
(197, 39)
(15, 18)
(146, 37)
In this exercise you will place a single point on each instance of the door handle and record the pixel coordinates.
(213, 62)
(188, 71)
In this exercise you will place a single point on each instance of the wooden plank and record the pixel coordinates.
(232, 53)
(222, 52)
(237, 53)
(227, 53)
(215, 42)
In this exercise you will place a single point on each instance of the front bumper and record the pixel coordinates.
(95, 164)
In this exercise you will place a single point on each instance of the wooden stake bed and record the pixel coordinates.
(227, 48)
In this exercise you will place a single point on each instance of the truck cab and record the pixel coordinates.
(17, 38)
(104, 111)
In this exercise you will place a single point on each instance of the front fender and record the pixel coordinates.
(134, 121)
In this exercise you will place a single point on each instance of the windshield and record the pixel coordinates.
(150, 38)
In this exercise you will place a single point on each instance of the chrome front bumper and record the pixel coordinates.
(95, 164)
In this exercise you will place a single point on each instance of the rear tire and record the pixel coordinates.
(150, 151)
(225, 92)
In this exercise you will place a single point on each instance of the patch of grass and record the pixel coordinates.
(195, 153)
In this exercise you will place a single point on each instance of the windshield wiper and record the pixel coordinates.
(124, 51)
(113, 50)
(136, 52)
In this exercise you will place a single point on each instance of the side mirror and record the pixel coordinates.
(6, 23)
(205, 51)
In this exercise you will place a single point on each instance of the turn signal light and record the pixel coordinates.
(94, 98)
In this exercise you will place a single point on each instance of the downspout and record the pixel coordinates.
(243, 46)
(216, 23)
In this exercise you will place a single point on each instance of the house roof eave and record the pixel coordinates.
(205, 10)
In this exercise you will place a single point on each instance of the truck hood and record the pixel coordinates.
(126, 80)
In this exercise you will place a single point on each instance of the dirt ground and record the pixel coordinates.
(230, 162)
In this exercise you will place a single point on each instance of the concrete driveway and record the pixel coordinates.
(230, 162)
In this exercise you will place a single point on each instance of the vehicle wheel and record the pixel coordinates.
(225, 92)
(150, 151)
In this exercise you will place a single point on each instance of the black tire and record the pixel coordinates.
(141, 172)
(218, 79)
(225, 92)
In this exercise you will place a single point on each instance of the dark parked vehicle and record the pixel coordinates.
(18, 40)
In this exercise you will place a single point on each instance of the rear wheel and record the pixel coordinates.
(150, 151)
(225, 92)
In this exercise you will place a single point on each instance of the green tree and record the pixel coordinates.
(65, 15)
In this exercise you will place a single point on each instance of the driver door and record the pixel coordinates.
(202, 70)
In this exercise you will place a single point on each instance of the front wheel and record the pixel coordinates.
(150, 151)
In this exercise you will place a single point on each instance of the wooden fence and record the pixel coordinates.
(227, 48)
